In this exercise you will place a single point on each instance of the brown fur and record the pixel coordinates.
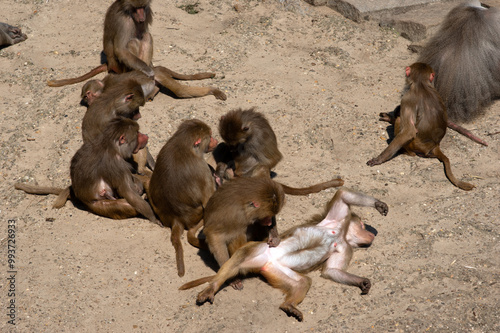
(251, 145)
(326, 242)
(101, 178)
(182, 183)
(117, 98)
(94, 88)
(421, 123)
(234, 207)
(128, 46)
(121, 100)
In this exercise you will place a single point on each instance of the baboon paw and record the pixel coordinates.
(292, 311)
(219, 95)
(373, 162)
(237, 284)
(381, 207)
(365, 286)
(204, 296)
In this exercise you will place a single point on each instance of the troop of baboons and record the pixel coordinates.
(230, 208)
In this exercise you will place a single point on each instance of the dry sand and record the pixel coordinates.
(321, 81)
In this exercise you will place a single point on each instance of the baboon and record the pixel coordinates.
(421, 123)
(465, 54)
(240, 210)
(326, 242)
(128, 46)
(101, 178)
(122, 99)
(251, 148)
(182, 182)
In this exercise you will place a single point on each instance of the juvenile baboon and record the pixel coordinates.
(421, 122)
(326, 242)
(251, 147)
(182, 182)
(128, 46)
(100, 176)
(237, 205)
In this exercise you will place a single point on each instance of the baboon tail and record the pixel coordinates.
(465, 132)
(42, 190)
(312, 189)
(196, 283)
(84, 77)
(62, 198)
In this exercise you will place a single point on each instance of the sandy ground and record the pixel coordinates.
(321, 81)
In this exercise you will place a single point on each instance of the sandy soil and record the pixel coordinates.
(321, 80)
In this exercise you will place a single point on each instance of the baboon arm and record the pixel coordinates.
(407, 132)
(136, 201)
(125, 48)
(334, 269)
(343, 199)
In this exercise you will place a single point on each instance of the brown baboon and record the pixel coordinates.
(101, 178)
(421, 123)
(326, 242)
(251, 147)
(240, 210)
(128, 46)
(182, 182)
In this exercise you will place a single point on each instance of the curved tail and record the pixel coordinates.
(196, 283)
(84, 77)
(312, 189)
(63, 194)
(193, 239)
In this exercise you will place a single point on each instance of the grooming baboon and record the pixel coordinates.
(128, 46)
(250, 145)
(237, 205)
(101, 178)
(182, 182)
(94, 88)
(326, 242)
(420, 125)
(122, 99)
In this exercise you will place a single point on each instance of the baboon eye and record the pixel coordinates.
(245, 128)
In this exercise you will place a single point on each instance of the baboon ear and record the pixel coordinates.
(129, 97)
(408, 71)
(255, 204)
(431, 78)
(122, 139)
(197, 142)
